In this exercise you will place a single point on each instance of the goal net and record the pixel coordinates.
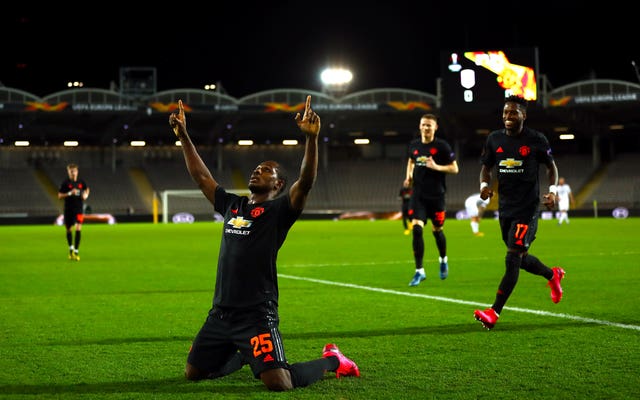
(188, 205)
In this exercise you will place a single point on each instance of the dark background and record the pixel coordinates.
(250, 47)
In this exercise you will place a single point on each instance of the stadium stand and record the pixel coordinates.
(598, 164)
(112, 192)
(576, 168)
(359, 185)
(22, 195)
(620, 185)
(344, 184)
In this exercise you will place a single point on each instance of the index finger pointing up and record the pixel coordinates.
(307, 106)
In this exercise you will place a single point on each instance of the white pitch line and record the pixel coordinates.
(471, 303)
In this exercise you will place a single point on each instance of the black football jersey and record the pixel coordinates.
(428, 183)
(252, 235)
(517, 160)
(73, 204)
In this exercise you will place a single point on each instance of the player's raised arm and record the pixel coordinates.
(309, 124)
(196, 167)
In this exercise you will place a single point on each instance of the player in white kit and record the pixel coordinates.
(565, 200)
(475, 207)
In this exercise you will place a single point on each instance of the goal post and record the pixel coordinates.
(191, 201)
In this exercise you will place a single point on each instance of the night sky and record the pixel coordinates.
(250, 47)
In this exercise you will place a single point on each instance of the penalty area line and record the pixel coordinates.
(470, 303)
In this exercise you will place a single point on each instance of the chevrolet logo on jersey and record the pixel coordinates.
(510, 163)
(422, 160)
(240, 222)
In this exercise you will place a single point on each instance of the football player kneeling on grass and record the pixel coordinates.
(242, 327)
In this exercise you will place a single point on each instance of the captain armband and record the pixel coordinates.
(483, 185)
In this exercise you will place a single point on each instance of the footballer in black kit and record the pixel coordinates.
(73, 204)
(74, 191)
(516, 153)
(245, 304)
(429, 160)
(242, 326)
(428, 184)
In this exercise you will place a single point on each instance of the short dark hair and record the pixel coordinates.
(518, 100)
(430, 116)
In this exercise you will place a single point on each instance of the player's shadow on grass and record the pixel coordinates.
(119, 341)
(242, 384)
(451, 329)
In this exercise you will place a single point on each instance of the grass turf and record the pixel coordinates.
(118, 323)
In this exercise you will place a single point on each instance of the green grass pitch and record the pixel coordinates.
(118, 323)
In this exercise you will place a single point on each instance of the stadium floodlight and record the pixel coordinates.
(70, 143)
(289, 142)
(336, 81)
(361, 141)
(336, 76)
(245, 142)
(21, 143)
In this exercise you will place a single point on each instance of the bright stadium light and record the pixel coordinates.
(335, 81)
(21, 143)
(245, 142)
(289, 142)
(70, 143)
(336, 76)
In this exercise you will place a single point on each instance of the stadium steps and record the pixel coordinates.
(591, 186)
(143, 186)
(48, 186)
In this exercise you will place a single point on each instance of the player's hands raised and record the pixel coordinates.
(309, 122)
(178, 121)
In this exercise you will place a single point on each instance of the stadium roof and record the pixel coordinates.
(102, 117)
